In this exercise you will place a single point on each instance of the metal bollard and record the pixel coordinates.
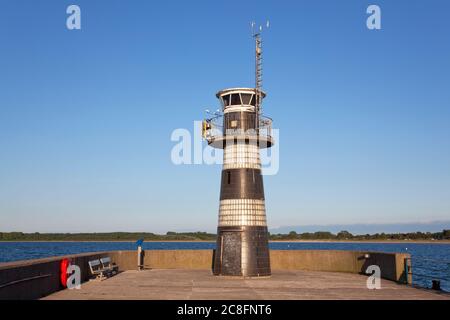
(436, 285)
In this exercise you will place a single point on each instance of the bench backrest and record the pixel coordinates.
(106, 262)
(94, 265)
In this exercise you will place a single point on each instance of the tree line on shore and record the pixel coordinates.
(345, 235)
(204, 236)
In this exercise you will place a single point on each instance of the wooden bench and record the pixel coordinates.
(102, 268)
(108, 266)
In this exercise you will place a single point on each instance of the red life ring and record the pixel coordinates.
(65, 263)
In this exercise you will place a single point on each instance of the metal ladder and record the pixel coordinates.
(258, 76)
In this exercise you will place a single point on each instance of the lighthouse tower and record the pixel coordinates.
(241, 131)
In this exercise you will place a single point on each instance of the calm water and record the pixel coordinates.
(428, 260)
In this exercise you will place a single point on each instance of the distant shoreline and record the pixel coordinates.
(369, 241)
(274, 241)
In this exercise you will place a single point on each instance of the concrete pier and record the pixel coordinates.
(182, 284)
(187, 274)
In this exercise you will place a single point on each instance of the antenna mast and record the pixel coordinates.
(258, 68)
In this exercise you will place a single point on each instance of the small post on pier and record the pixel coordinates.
(407, 271)
(140, 254)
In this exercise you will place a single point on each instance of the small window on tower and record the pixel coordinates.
(235, 99)
(229, 177)
(234, 124)
(252, 101)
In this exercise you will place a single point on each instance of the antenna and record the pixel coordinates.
(258, 66)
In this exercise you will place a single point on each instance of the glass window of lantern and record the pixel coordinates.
(235, 99)
(226, 100)
(252, 101)
(246, 98)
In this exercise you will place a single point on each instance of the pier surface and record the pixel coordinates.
(171, 284)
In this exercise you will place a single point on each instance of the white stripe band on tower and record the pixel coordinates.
(241, 155)
(242, 212)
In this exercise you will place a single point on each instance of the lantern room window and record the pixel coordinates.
(226, 100)
(246, 98)
(235, 99)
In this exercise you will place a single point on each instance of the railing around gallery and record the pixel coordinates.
(213, 129)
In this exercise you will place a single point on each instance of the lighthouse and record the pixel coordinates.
(241, 130)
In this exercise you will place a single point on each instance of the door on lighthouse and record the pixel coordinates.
(231, 253)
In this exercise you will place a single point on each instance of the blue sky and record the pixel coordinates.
(86, 116)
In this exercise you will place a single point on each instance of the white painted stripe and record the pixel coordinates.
(241, 155)
(242, 212)
(239, 108)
